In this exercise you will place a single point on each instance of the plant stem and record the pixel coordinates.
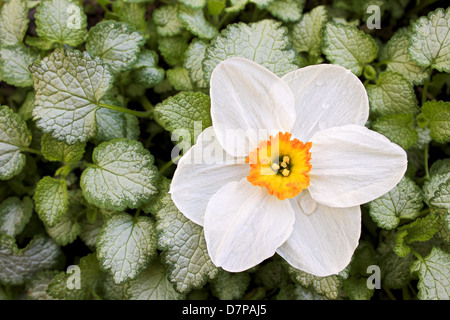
(31, 150)
(389, 293)
(222, 20)
(427, 171)
(146, 104)
(425, 91)
(416, 254)
(142, 114)
(151, 110)
(168, 164)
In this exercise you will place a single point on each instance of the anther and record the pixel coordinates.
(275, 166)
(285, 172)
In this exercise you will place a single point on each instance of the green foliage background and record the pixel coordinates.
(134, 71)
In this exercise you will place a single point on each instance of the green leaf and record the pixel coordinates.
(348, 47)
(440, 166)
(265, 42)
(262, 4)
(39, 43)
(14, 62)
(183, 244)
(61, 21)
(123, 175)
(173, 48)
(434, 279)
(430, 187)
(436, 115)
(398, 60)
(126, 246)
(152, 285)
(116, 43)
(146, 70)
(302, 293)
(392, 94)
(131, 13)
(357, 289)
(66, 230)
(14, 135)
(55, 150)
(183, 110)
(91, 280)
(236, 6)
(430, 40)
(111, 291)
(215, 7)
(26, 110)
(112, 124)
(194, 4)
(399, 128)
(402, 202)
(422, 229)
(51, 200)
(14, 215)
(36, 288)
(287, 10)
(394, 269)
(19, 265)
(179, 79)
(194, 20)
(90, 231)
(272, 274)
(327, 286)
(167, 22)
(441, 198)
(306, 34)
(194, 56)
(69, 85)
(230, 286)
(13, 22)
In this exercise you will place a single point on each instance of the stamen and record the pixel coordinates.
(281, 165)
(275, 167)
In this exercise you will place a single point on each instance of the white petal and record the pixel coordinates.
(322, 243)
(326, 96)
(199, 175)
(352, 165)
(248, 102)
(244, 225)
(306, 202)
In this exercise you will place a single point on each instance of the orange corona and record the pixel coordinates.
(281, 165)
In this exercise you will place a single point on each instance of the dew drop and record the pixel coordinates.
(322, 125)
(307, 204)
(325, 106)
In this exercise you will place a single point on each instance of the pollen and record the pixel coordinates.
(281, 165)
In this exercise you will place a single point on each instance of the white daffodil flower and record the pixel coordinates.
(298, 191)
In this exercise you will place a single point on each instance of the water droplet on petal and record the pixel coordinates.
(307, 204)
(326, 106)
(322, 124)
